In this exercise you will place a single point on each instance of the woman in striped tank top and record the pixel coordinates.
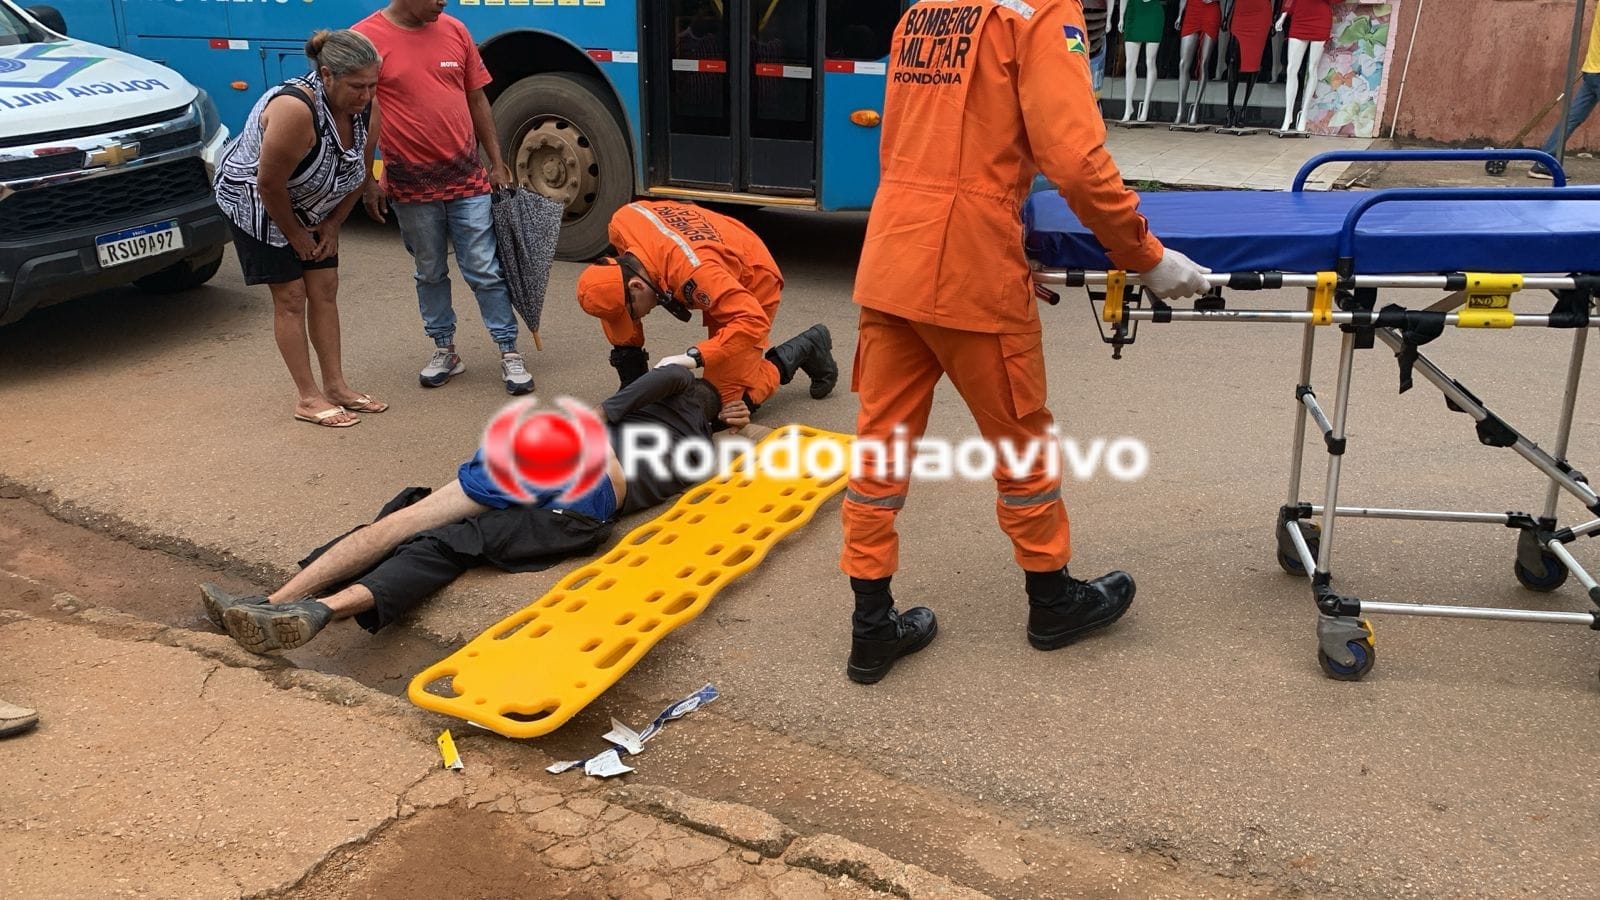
(287, 183)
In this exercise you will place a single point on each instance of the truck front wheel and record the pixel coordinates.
(564, 140)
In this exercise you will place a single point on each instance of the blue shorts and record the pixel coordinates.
(600, 503)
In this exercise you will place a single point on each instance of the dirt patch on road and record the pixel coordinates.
(47, 558)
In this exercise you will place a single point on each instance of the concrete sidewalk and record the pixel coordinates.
(170, 763)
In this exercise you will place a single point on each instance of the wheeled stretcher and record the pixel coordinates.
(1479, 247)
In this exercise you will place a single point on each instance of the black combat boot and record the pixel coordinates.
(1062, 608)
(631, 363)
(879, 635)
(810, 351)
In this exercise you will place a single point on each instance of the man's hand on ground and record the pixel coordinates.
(735, 415)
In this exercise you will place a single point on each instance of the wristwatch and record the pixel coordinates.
(694, 354)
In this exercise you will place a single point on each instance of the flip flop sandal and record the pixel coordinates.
(366, 403)
(322, 418)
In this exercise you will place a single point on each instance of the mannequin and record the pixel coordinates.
(1198, 24)
(1141, 24)
(1247, 22)
(1310, 27)
(1220, 71)
(1277, 45)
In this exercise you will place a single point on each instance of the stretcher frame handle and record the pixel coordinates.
(1558, 175)
(1347, 236)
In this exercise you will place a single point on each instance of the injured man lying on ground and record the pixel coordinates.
(423, 540)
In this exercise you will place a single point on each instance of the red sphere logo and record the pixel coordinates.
(528, 450)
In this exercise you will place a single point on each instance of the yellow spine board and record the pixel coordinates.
(537, 668)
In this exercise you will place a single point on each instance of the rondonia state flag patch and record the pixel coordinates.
(1077, 42)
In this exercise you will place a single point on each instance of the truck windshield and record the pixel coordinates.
(14, 29)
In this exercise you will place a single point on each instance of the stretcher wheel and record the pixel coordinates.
(1555, 574)
(1495, 167)
(1365, 655)
(1289, 561)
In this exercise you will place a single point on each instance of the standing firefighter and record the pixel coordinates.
(981, 95)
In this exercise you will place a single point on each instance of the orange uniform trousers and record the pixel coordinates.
(1001, 378)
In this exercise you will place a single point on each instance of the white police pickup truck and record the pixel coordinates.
(105, 169)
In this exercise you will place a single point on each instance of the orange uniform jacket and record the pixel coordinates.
(712, 263)
(982, 95)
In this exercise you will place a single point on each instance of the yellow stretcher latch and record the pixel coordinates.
(1322, 298)
(1489, 301)
(1116, 294)
(535, 669)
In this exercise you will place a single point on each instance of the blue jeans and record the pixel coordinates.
(1584, 98)
(468, 226)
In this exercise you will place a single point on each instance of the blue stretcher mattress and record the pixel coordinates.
(1285, 231)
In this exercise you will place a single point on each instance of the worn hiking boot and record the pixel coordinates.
(514, 372)
(276, 626)
(444, 365)
(810, 351)
(217, 601)
(1061, 608)
(1540, 170)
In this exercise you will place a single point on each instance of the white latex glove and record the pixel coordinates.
(682, 359)
(1176, 276)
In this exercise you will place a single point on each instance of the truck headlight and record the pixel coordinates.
(210, 119)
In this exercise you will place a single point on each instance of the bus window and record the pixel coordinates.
(699, 68)
(782, 101)
(861, 30)
(783, 96)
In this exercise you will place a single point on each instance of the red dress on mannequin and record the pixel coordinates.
(1310, 20)
(1202, 17)
(1251, 21)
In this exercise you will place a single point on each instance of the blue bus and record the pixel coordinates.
(769, 102)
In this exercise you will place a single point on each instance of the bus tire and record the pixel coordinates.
(563, 137)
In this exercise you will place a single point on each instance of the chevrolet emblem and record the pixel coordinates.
(111, 155)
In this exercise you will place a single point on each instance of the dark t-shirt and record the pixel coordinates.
(671, 399)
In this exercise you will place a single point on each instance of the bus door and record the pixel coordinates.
(733, 96)
(855, 39)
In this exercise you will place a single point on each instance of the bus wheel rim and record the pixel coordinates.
(557, 159)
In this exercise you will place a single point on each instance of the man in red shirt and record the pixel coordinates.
(429, 119)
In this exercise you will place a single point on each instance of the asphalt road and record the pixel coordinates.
(1200, 729)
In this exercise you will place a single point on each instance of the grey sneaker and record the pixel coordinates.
(218, 601)
(1538, 170)
(16, 719)
(441, 368)
(276, 626)
(515, 373)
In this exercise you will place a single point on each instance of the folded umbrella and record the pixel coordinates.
(527, 225)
